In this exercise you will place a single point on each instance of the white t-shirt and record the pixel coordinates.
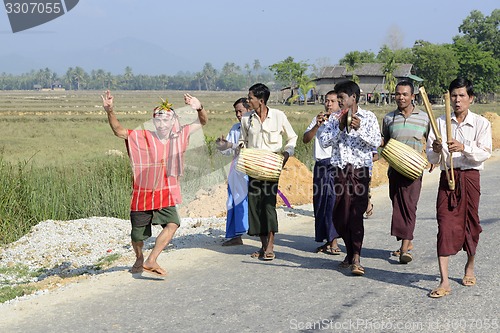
(319, 152)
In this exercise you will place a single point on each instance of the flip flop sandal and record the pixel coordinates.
(334, 251)
(397, 253)
(405, 258)
(258, 254)
(156, 271)
(469, 281)
(357, 269)
(439, 292)
(269, 256)
(322, 248)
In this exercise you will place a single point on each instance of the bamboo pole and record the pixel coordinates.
(428, 109)
(449, 136)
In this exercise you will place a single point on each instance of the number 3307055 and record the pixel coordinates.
(33, 8)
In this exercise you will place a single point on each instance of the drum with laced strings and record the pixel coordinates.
(260, 164)
(404, 159)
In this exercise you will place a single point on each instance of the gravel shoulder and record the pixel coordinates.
(211, 288)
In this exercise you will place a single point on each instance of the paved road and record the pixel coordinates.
(218, 289)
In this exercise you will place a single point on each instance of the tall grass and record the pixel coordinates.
(101, 187)
(30, 194)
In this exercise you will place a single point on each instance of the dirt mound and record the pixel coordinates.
(207, 203)
(495, 128)
(295, 184)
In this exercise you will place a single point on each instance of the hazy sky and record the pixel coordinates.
(220, 31)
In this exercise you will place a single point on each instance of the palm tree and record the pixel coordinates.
(257, 68)
(248, 72)
(109, 79)
(79, 76)
(128, 76)
(304, 86)
(69, 77)
(198, 77)
(390, 80)
(209, 76)
(99, 76)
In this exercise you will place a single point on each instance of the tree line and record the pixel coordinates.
(231, 77)
(474, 53)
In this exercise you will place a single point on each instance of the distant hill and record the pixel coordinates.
(16, 64)
(143, 57)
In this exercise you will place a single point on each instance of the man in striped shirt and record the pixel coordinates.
(408, 125)
(157, 162)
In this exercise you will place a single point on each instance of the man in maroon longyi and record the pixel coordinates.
(457, 210)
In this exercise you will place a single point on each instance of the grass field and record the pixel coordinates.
(55, 145)
(60, 128)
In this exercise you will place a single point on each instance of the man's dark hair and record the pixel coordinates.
(242, 100)
(349, 88)
(407, 84)
(260, 90)
(461, 82)
(331, 92)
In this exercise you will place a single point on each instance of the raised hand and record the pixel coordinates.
(107, 101)
(192, 101)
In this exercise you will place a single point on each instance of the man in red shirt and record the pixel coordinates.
(157, 162)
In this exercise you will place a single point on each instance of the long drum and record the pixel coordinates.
(260, 164)
(404, 159)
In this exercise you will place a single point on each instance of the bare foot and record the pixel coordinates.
(469, 279)
(137, 266)
(469, 270)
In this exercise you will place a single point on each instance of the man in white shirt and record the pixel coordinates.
(457, 210)
(263, 128)
(323, 187)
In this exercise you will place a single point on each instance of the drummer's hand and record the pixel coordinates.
(355, 122)
(285, 157)
(237, 150)
(222, 144)
(437, 147)
(455, 147)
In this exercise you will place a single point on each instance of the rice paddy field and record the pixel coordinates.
(60, 160)
(66, 127)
